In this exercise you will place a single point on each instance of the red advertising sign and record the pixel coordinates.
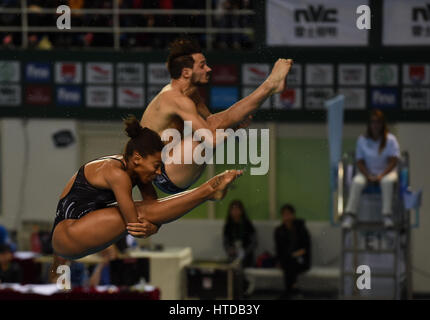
(38, 95)
(225, 74)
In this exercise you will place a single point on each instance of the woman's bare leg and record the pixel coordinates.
(74, 238)
(173, 207)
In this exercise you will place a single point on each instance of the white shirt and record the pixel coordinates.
(368, 150)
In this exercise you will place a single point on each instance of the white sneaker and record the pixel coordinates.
(388, 222)
(348, 222)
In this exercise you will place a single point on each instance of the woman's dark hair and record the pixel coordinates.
(242, 231)
(245, 229)
(180, 57)
(142, 140)
(288, 207)
(239, 204)
(379, 115)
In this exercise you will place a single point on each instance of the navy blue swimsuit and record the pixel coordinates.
(83, 198)
(163, 183)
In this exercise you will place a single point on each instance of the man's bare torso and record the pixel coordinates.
(160, 113)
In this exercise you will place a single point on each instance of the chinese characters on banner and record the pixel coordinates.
(406, 23)
(314, 23)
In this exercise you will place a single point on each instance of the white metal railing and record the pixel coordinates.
(24, 11)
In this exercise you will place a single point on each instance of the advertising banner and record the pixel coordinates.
(314, 23)
(406, 23)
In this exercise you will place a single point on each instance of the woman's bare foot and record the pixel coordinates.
(220, 183)
(276, 79)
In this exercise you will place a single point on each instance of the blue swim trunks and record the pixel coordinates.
(163, 183)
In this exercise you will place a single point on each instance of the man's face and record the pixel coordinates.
(5, 257)
(287, 216)
(201, 71)
(236, 213)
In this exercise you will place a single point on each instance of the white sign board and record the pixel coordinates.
(99, 96)
(314, 23)
(406, 23)
(130, 97)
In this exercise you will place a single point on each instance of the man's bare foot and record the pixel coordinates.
(220, 183)
(280, 70)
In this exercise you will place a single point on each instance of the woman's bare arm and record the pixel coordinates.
(362, 167)
(120, 183)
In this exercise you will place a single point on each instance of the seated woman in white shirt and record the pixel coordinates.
(377, 154)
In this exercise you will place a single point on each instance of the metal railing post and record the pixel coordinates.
(208, 25)
(24, 23)
(116, 25)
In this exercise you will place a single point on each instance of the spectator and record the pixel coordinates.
(225, 19)
(9, 4)
(293, 248)
(10, 271)
(140, 39)
(166, 4)
(4, 235)
(240, 237)
(5, 239)
(8, 41)
(377, 155)
(77, 16)
(101, 273)
(88, 39)
(78, 274)
(221, 21)
(76, 5)
(33, 40)
(9, 19)
(235, 24)
(45, 43)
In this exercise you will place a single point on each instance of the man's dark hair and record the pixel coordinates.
(288, 207)
(180, 51)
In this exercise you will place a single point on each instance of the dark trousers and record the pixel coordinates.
(291, 269)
